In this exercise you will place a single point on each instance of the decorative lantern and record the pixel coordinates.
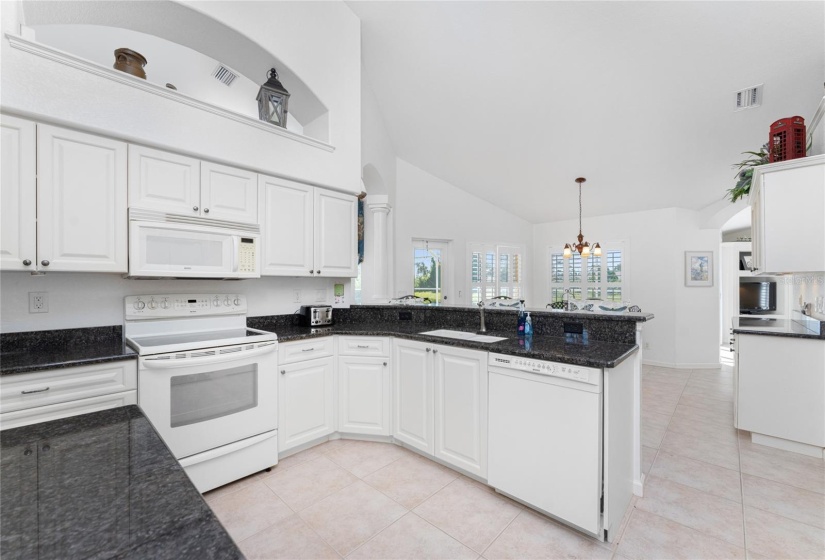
(787, 139)
(273, 99)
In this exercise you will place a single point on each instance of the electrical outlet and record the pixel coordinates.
(297, 296)
(38, 302)
(320, 295)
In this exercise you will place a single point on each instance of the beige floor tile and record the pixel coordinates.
(722, 383)
(662, 392)
(470, 514)
(304, 484)
(655, 420)
(362, 458)
(715, 480)
(289, 539)
(710, 451)
(724, 417)
(663, 382)
(713, 376)
(789, 468)
(249, 510)
(658, 406)
(649, 536)
(788, 501)
(701, 428)
(697, 401)
(648, 454)
(778, 537)
(410, 480)
(672, 373)
(412, 538)
(652, 436)
(715, 393)
(213, 495)
(533, 536)
(351, 516)
(713, 516)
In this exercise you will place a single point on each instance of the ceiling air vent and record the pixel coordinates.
(224, 75)
(748, 98)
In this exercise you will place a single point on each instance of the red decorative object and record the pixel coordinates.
(787, 139)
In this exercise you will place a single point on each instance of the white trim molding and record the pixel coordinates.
(67, 59)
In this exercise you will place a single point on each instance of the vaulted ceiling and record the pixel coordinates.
(511, 101)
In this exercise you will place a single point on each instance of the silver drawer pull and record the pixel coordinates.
(307, 349)
(365, 347)
(35, 391)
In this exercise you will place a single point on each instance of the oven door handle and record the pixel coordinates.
(172, 363)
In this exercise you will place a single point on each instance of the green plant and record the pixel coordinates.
(744, 172)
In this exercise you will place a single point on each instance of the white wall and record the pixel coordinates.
(807, 287)
(320, 43)
(429, 208)
(685, 332)
(89, 300)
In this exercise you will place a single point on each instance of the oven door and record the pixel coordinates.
(205, 399)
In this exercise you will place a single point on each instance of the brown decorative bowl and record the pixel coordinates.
(131, 62)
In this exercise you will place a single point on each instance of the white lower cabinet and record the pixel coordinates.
(440, 401)
(460, 393)
(364, 395)
(306, 402)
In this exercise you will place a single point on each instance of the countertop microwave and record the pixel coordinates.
(174, 246)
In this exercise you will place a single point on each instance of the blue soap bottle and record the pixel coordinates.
(522, 318)
(528, 325)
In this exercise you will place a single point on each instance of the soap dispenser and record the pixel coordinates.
(528, 325)
(522, 318)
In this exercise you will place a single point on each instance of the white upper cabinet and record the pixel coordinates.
(787, 209)
(81, 202)
(18, 188)
(163, 181)
(336, 234)
(286, 218)
(229, 193)
(306, 231)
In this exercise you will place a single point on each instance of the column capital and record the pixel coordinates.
(378, 203)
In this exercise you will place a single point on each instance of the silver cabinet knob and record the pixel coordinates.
(47, 447)
(44, 262)
(27, 262)
(27, 452)
(385, 363)
(206, 210)
(428, 349)
(195, 208)
(435, 351)
(317, 272)
(283, 371)
(312, 272)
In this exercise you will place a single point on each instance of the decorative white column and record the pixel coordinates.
(380, 207)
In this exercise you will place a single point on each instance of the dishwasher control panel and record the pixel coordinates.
(566, 371)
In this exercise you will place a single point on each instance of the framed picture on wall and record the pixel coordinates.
(698, 269)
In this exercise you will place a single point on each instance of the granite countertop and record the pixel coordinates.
(101, 485)
(776, 327)
(541, 347)
(598, 314)
(32, 351)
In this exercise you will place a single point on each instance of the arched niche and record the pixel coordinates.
(373, 181)
(180, 24)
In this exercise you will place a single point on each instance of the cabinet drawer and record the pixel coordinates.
(29, 390)
(300, 350)
(38, 414)
(363, 346)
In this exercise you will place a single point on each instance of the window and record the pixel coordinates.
(597, 278)
(429, 258)
(356, 288)
(496, 270)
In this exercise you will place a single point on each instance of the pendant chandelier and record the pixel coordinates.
(582, 247)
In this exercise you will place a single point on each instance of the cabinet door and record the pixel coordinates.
(306, 407)
(285, 215)
(81, 202)
(228, 193)
(336, 234)
(461, 408)
(18, 237)
(413, 394)
(165, 182)
(364, 395)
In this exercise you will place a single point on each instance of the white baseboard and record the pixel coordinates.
(681, 366)
(788, 445)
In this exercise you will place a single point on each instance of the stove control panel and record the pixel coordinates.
(161, 306)
(555, 369)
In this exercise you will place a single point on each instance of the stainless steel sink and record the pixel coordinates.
(463, 335)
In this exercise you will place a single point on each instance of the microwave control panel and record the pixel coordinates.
(246, 255)
(183, 305)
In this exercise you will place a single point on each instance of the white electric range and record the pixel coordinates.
(207, 382)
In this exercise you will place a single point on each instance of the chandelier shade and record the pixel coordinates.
(581, 246)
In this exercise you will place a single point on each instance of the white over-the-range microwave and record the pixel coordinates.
(173, 246)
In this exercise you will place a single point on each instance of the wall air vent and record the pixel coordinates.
(224, 75)
(748, 98)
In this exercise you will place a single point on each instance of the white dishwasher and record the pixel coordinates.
(545, 437)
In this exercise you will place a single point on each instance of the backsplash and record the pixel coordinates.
(808, 287)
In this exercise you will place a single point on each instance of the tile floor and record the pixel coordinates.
(710, 493)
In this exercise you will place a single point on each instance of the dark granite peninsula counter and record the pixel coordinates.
(800, 327)
(101, 485)
(606, 340)
(26, 352)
